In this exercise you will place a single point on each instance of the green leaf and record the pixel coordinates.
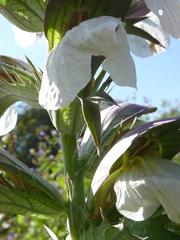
(114, 8)
(18, 82)
(153, 228)
(25, 14)
(92, 118)
(62, 15)
(117, 120)
(22, 190)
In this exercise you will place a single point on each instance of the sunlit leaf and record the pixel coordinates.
(18, 82)
(25, 14)
(24, 191)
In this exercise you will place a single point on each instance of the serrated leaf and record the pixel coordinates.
(17, 83)
(22, 190)
(25, 14)
(92, 118)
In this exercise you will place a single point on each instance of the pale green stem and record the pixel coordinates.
(74, 184)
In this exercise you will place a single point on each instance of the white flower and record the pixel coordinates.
(141, 189)
(68, 69)
(25, 39)
(168, 12)
(8, 120)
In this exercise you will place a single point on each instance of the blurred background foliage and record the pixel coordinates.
(36, 143)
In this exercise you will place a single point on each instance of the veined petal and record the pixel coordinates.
(141, 190)
(8, 120)
(144, 48)
(134, 198)
(68, 69)
(168, 13)
(23, 38)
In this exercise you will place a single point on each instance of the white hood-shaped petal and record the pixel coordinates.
(144, 48)
(25, 39)
(142, 189)
(8, 120)
(168, 12)
(68, 69)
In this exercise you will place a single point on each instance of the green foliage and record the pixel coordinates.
(36, 143)
(26, 14)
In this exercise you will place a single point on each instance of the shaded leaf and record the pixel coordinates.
(153, 228)
(25, 14)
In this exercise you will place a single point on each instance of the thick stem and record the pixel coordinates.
(74, 184)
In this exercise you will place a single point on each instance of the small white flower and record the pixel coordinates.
(8, 120)
(168, 12)
(25, 39)
(146, 185)
(68, 69)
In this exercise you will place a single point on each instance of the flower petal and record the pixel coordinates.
(8, 120)
(68, 69)
(166, 188)
(168, 13)
(134, 198)
(141, 190)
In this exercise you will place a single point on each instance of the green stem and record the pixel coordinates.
(74, 184)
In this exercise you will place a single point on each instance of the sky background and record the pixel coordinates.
(158, 78)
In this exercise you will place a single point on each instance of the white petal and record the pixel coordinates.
(144, 48)
(8, 120)
(68, 69)
(140, 191)
(168, 12)
(67, 72)
(25, 39)
(51, 233)
(166, 188)
(134, 198)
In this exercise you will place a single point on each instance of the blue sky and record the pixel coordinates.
(158, 77)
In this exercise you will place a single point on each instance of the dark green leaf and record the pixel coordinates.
(152, 229)
(25, 14)
(92, 118)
